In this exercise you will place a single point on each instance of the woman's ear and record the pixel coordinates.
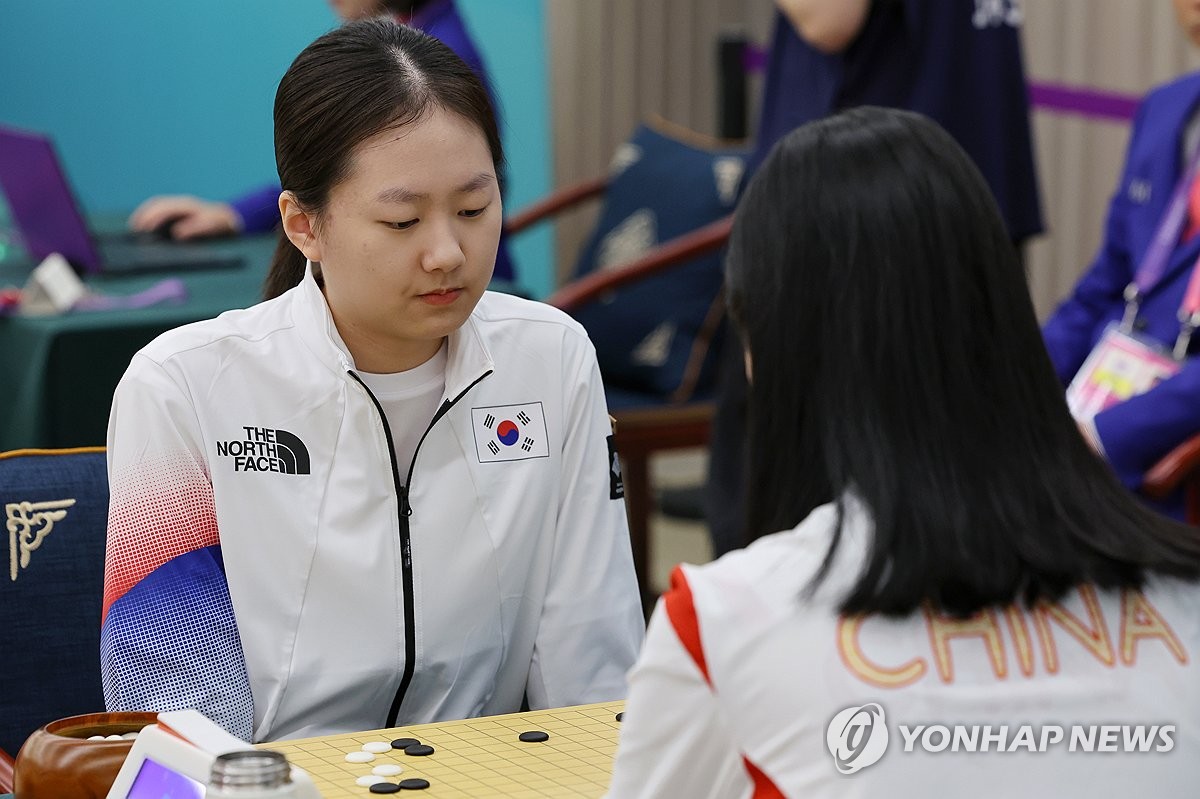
(298, 226)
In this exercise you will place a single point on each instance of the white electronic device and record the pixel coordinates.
(172, 760)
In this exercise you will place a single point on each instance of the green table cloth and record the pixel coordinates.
(57, 373)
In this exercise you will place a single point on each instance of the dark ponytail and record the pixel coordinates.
(287, 268)
(349, 85)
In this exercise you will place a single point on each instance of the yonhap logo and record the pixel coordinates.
(266, 450)
(857, 737)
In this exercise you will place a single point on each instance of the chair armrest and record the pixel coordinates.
(1176, 466)
(642, 431)
(6, 772)
(560, 200)
(670, 253)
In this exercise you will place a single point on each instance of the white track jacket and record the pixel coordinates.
(269, 566)
(748, 687)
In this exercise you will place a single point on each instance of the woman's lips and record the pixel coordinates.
(441, 297)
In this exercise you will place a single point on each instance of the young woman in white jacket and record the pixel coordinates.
(384, 495)
(964, 600)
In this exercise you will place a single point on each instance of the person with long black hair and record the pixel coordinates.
(953, 553)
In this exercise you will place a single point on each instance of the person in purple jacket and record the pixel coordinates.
(189, 217)
(1134, 434)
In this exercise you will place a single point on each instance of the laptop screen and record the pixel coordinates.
(40, 200)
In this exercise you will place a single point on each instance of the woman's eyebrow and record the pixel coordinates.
(399, 194)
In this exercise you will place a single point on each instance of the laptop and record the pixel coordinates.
(44, 211)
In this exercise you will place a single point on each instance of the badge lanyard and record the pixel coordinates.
(1124, 364)
(1154, 264)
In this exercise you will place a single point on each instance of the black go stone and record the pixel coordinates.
(418, 750)
(621, 715)
(533, 737)
(404, 743)
(385, 787)
(414, 784)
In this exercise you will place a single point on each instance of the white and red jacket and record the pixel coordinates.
(269, 565)
(742, 674)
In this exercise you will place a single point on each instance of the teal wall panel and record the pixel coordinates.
(147, 97)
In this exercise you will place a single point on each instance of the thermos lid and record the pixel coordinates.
(253, 768)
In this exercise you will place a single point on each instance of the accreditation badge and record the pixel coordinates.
(1122, 365)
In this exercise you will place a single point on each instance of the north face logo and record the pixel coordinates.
(266, 450)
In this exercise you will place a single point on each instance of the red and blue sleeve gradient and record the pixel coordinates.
(169, 639)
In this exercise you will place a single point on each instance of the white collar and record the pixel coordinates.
(468, 358)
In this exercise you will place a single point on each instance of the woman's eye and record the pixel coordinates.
(474, 213)
(401, 225)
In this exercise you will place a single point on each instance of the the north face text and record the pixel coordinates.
(266, 450)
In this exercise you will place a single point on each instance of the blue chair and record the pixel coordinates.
(56, 512)
(648, 288)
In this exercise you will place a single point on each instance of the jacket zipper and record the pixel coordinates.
(405, 511)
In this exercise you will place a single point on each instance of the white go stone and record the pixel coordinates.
(378, 747)
(359, 757)
(387, 770)
(369, 780)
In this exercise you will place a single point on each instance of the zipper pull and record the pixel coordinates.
(405, 508)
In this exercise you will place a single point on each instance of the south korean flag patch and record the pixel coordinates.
(510, 432)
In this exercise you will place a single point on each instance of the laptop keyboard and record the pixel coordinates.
(147, 253)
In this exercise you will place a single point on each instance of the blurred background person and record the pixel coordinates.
(1150, 249)
(186, 216)
(956, 61)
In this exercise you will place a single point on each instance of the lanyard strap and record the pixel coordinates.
(1154, 262)
(1189, 313)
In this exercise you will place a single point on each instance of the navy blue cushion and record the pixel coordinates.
(56, 511)
(648, 333)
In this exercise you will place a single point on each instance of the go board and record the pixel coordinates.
(476, 757)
